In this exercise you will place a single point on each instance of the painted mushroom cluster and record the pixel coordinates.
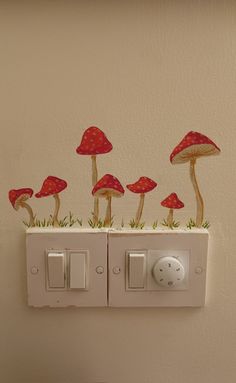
(94, 142)
(52, 186)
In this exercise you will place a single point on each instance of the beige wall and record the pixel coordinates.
(146, 72)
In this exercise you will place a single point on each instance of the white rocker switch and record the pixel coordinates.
(136, 270)
(56, 270)
(78, 270)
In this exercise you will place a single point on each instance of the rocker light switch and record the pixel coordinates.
(56, 270)
(78, 270)
(137, 270)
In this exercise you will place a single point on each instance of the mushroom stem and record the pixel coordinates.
(107, 221)
(170, 218)
(30, 211)
(140, 209)
(200, 204)
(55, 220)
(94, 170)
(94, 181)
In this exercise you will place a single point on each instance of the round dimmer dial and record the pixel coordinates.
(168, 272)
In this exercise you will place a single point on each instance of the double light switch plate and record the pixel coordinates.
(66, 267)
(126, 268)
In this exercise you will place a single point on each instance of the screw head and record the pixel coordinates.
(99, 269)
(116, 270)
(198, 270)
(34, 270)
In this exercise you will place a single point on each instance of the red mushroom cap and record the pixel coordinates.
(172, 202)
(51, 185)
(143, 185)
(108, 185)
(19, 195)
(94, 142)
(193, 145)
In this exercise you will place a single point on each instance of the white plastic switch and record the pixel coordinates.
(137, 270)
(78, 270)
(56, 270)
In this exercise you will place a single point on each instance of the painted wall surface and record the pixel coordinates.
(145, 72)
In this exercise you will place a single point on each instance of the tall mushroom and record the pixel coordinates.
(94, 142)
(172, 202)
(193, 146)
(107, 187)
(142, 186)
(18, 198)
(53, 186)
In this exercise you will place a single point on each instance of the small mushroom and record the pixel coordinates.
(18, 198)
(94, 142)
(107, 187)
(172, 202)
(193, 146)
(53, 186)
(142, 186)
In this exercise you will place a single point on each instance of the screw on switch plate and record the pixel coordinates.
(99, 269)
(34, 270)
(116, 270)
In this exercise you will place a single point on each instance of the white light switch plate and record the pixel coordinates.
(91, 291)
(189, 247)
(146, 268)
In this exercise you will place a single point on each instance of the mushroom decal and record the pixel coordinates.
(172, 202)
(193, 146)
(142, 186)
(18, 198)
(94, 142)
(53, 186)
(107, 187)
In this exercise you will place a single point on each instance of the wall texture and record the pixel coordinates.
(146, 72)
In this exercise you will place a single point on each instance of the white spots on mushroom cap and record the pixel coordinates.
(193, 145)
(16, 196)
(94, 142)
(108, 184)
(172, 202)
(143, 185)
(194, 151)
(51, 185)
